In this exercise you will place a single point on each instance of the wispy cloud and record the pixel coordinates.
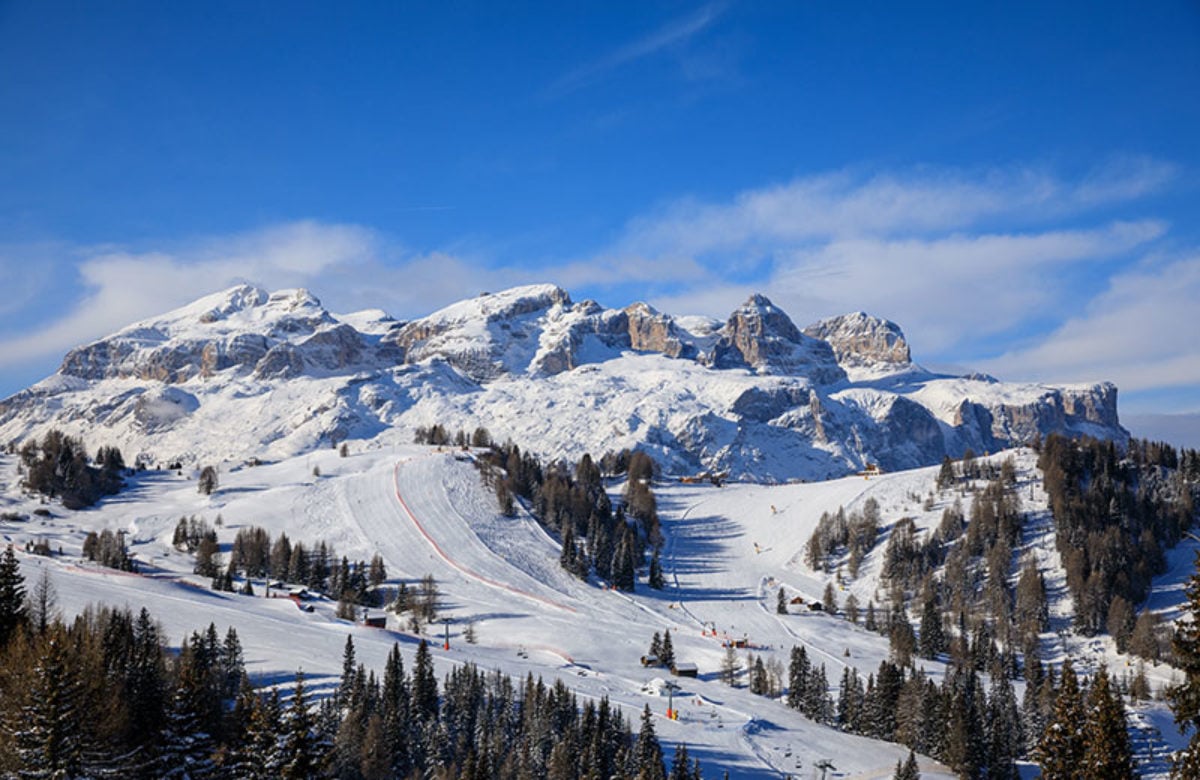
(120, 287)
(674, 33)
(958, 258)
(1139, 333)
(962, 260)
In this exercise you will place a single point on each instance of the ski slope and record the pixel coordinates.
(427, 512)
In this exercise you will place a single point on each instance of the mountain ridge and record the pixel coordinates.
(249, 373)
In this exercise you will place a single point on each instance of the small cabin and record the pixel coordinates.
(650, 660)
(797, 601)
(685, 670)
(376, 622)
(816, 606)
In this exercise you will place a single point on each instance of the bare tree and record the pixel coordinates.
(43, 602)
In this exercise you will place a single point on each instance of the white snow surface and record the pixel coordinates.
(426, 511)
(246, 373)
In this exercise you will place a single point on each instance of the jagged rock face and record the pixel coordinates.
(484, 337)
(760, 336)
(245, 373)
(860, 340)
(234, 329)
(650, 331)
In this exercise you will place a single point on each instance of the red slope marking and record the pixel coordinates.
(473, 575)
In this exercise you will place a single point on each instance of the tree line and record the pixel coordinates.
(103, 696)
(598, 539)
(58, 467)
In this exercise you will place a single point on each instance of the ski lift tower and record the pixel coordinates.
(824, 765)
(671, 687)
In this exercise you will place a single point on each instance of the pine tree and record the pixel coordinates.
(909, 769)
(48, 739)
(656, 575)
(797, 677)
(680, 766)
(781, 601)
(1004, 734)
(945, 477)
(1185, 697)
(12, 596)
(667, 657)
(648, 757)
(656, 646)
(424, 685)
(932, 637)
(1106, 735)
(758, 677)
(1061, 748)
(299, 747)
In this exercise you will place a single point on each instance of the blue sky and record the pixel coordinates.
(1015, 184)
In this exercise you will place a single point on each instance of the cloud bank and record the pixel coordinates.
(1016, 271)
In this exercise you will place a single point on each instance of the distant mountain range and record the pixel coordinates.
(247, 373)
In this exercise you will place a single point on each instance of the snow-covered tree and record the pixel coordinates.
(1185, 697)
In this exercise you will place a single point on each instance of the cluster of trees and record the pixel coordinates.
(58, 467)
(478, 725)
(1114, 516)
(838, 535)
(420, 602)
(1184, 698)
(978, 730)
(108, 549)
(437, 434)
(255, 554)
(573, 503)
(102, 697)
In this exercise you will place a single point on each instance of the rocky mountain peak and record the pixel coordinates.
(860, 340)
(761, 336)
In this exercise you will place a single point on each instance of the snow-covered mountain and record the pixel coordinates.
(246, 373)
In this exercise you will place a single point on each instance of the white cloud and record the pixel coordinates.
(674, 33)
(120, 287)
(822, 207)
(947, 290)
(1139, 333)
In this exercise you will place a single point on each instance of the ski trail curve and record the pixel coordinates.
(437, 548)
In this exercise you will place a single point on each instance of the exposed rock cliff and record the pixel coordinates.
(246, 373)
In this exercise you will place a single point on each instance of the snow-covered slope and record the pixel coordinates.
(727, 552)
(246, 373)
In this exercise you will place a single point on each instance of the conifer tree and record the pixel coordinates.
(680, 766)
(667, 656)
(1061, 748)
(12, 595)
(908, 769)
(656, 646)
(648, 757)
(932, 639)
(48, 738)
(656, 575)
(1004, 734)
(797, 677)
(1106, 735)
(1185, 697)
(299, 750)
(424, 685)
